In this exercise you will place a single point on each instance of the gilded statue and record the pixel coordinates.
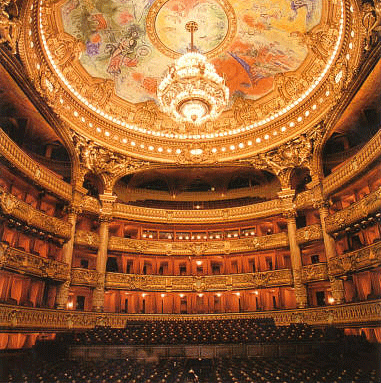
(9, 23)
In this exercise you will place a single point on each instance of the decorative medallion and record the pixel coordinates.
(216, 20)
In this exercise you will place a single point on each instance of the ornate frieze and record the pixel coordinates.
(196, 248)
(32, 169)
(315, 272)
(23, 262)
(86, 238)
(199, 283)
(261, 209)
(364, 258)
(309, 233)
(90, 204)
(355, 212)
(45, 319)
(353, 167)
(11, 206)
(84, 277)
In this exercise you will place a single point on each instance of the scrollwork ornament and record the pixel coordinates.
(9, 24)
(372, 23)
(104, 162)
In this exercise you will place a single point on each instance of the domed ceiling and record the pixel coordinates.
(99, 63)
(134, 42)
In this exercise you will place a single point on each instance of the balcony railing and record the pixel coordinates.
(315, 272)
(262, 209)
(31, 264)
(84, 277)
(32, 169)
(355, 212)
(31, 217)
(199, 283)
(204, 247)
(353, 314)
(349, 170)
(361, 259)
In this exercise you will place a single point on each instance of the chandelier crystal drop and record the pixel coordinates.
(192, 91)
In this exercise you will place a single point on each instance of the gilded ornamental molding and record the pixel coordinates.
(198, 248)
(355, 212)
(195, 248)
(31, 217)
(50, 181)
(87, 238)
(298, 99)
(14, 317)
(26, 263)
(315, 272)
(85, 277)
(309, 233)
(109, 165)
(354, 166)
(38, 173)
(365, 258)
(258, 210)
(199, 283)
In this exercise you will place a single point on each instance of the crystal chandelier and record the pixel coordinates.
(192, 91)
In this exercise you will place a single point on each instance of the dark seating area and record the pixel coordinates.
(206, 371)
(197, 332)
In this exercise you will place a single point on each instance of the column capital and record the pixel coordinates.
(107, 201)
(288, 206)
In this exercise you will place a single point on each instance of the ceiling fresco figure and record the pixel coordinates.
(134, 42)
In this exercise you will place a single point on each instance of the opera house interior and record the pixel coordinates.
(190, 191)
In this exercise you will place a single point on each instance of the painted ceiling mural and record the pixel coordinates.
(134, 41)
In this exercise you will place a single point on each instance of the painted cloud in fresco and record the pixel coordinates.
(118, 47)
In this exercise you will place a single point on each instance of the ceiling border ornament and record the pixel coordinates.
(297, 152)
(108, 165)
(49, 63)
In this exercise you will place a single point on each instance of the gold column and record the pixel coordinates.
(337, 285)
(286, 196)
(107, 201)
(67, 255)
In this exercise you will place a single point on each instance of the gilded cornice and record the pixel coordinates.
(199, 283)
(26, 263)
(137, 213)
(365, 258)
(11, 206)
(315, 272)
(296, 104)
(14, 317)
(196, 248)
(355, 212)
(36, 172)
